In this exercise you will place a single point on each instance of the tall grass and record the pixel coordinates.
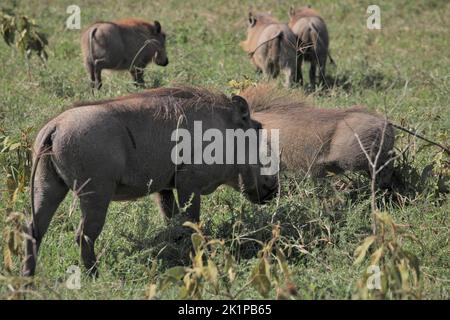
(318, 229)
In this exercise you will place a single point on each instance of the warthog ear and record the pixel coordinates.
(291, 11)
(242, 106)
(157, 26)
(257, 125)
(251, 19)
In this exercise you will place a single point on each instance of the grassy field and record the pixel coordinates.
(404, 68)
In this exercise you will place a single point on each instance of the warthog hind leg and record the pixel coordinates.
(95, 73)
(94, 206)
(49, 191)
(167, 204)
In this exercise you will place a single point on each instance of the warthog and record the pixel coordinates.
(128, 44)
(314, 141)
(121, 149)
(312, 42)
(271, 46)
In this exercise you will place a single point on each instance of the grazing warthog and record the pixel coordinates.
(122, 149)
(312, 42)
(128, 44)
(271, 46)
(314, 141)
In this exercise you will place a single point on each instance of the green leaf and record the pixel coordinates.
(260, 277)
(413, 262)
(7, 259)
(197, 262)
(192, 226)
(197, 241)
(175, 273)
(229, 266)
(361, 251)
(14, 146)
(281, 258)
(213, 274)
(376, 256)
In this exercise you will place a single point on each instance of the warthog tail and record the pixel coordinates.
(43, 148)
(91, 49)
(274, 52)
(314, 33)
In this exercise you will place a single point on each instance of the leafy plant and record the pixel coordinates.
(399, 276)
(23, 32)
(272, 271)
(214, 271)
(238, 86)
(13, 237)
(15, 161)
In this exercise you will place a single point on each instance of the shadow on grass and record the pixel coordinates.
(349, 82)
(310, 216)
(305, 221)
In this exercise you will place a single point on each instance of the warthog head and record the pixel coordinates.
(257, 187)
(259, 17)
(160, 53)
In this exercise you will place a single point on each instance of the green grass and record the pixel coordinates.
(404, 68)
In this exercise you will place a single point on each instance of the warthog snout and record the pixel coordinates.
(161, 59)
(259, 189)
(165, 63)
(266, 192)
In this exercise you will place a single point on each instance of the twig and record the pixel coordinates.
(415, 134)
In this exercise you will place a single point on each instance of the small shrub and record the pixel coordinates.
(15, 162)
(24, 33)
(400, 271)
(214, 271)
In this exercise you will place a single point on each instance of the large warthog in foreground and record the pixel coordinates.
(315, 141)
(123, 148)
(271, 46)
(128, 44)
(312, 42)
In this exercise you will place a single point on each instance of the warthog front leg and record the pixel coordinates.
(138, 76)
(299, 74)
(383, 179)
(312, 75)
(322, 70)
(289, 77)
(167, 204)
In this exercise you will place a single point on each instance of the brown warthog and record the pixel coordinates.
(124, 148)
(271, 46)
(312, 42)
(128, 44)
(314, 141)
